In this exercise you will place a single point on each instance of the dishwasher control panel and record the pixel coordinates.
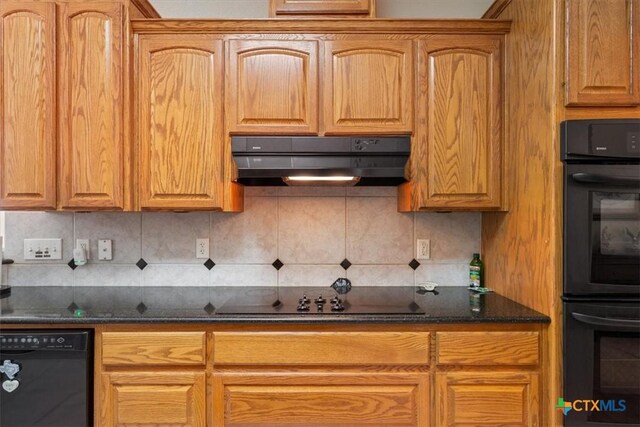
(50, 340)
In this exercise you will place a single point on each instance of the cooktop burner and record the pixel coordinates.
(321, 301)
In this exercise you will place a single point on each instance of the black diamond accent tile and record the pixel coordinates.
(209, 308)
(141, 308)
(72, 265)
(141, 264)
(209, 264)
(277, 264)
(414, 264)
(345, 264)
(72, 307)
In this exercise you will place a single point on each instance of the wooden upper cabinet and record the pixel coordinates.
(368, 86)
(603, 52)
(91, 110)
(272, 86)
(27, 107)
(180, 122)
(456, 156)
(313, 8)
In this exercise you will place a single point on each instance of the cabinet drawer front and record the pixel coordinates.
(320, 348)
(153, 348)
(327, 400)
(487, 348)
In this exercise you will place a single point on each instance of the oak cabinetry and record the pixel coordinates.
(367, 86)
(180, 121)
(27, 109)
(151, 378)
(153, 399)
(487, 398)
(267, 399)
(315, 8)
(457, 153)
(272, 86)
(602, 53)
(63, 80)
(91, 109)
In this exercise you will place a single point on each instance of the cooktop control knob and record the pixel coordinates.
(304, 300)
(337, 306)
(303, 307)
(320, 307)
(320, 300)
(335, 300)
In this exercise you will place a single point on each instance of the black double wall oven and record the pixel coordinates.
(601, 272)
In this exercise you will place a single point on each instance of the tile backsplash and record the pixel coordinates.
(286, 236)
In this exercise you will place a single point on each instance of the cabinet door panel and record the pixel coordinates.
(368, 86)
(180, 122)
(487, 399)
(320, 399)
(603, 52)
(457, 152)
(153, 399)
(92, 106)
(273, 86)
(27, 82)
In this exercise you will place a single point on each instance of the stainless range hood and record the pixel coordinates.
(312, 160)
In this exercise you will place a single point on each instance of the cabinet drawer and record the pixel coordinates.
(153, 348)
(321, 400)
(487, 348)
(322, 348)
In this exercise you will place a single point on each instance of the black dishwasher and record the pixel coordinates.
(46, 378)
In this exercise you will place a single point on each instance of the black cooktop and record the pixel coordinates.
(322, 301)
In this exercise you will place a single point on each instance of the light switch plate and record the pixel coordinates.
(84, 244)
(42, 249)
(105, 250)
(423, 249)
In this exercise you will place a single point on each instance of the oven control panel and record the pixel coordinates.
(54, 340)
(604, 138)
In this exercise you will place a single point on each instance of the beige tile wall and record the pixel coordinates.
(310, 230)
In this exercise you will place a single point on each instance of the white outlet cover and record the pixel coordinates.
(202, 248)
(84, 244)
(423, 249)
(105, 250)
(42, 249)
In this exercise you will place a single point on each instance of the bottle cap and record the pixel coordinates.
(476, 255)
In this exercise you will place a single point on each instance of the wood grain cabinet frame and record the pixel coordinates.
(320, 399)
(91, 110)
(272, 87)
(603, 52)
(27, 105)
(315, 8)
(368, 86)
(179, 122)
(456, 157)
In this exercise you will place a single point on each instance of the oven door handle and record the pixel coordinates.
(592, 178)
(607, 321)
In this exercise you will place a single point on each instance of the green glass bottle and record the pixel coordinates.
(476, 272)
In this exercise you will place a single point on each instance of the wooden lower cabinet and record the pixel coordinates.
(487, 399)
(146, 399)
(320, 399)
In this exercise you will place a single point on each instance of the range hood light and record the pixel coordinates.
(321, 180)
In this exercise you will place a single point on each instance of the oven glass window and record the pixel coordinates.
(617, 375)
(615, 248)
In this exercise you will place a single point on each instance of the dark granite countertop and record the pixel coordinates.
(92, 305)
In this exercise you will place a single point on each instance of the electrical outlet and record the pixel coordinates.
(42, 249)
(202, 248)
(84, 244)
(424, 249)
